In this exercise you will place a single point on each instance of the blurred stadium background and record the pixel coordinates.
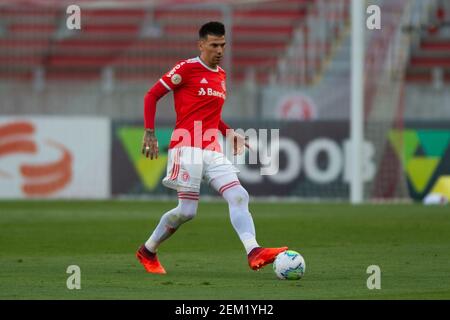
(71, 104)
(71, 126)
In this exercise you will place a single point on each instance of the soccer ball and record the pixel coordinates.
(289, 265)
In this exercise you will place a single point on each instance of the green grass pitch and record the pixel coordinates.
(205, 259)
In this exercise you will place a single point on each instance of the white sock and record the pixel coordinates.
(241, 218)
(170, 222)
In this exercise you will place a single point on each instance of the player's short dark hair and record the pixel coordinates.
(213, 28)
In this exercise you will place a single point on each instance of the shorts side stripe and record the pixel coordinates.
(176, 167)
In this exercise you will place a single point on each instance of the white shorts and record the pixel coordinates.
(188, 166)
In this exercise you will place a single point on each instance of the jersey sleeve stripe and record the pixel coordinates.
(165, 84)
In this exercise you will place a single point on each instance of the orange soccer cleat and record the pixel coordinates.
(259, 257)
(150, 261)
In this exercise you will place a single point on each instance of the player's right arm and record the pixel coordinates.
(172, 80)
(150, 142)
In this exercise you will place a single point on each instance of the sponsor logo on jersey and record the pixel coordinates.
(204, 81)
(176, 79)
(211, 92)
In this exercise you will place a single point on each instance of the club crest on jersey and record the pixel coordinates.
(224, 87)
(176, 78)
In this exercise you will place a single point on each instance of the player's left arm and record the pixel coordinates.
(239, 141)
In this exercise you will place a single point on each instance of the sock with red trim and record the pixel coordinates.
(171, 220)
(241, 218)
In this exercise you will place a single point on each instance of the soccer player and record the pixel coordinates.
(199, 90)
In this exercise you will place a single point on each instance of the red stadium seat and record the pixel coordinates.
(433, 54)
(35, 36)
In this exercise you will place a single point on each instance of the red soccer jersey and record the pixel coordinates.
(199, 93)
